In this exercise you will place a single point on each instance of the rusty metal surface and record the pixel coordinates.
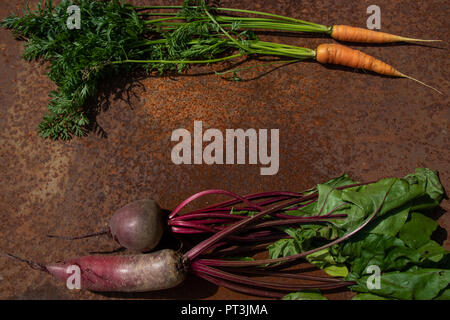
(331, 121)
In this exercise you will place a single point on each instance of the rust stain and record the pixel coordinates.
(331, 121)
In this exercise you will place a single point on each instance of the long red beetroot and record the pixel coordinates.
(127, 273)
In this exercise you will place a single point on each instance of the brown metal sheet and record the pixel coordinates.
(331, 121)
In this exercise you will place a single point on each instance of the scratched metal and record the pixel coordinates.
(331, 120)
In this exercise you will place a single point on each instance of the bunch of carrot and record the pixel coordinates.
(119, 37)
(325, 53)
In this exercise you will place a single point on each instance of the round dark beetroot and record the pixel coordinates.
(139, 225)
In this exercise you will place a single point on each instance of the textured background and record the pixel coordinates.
(331, 120)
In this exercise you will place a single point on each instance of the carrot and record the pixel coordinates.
(345, 56)
(355, 34)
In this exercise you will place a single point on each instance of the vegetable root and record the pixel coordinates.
(215, 260)
(345, 56)
(193, 34)
(138, 226)
(355, 34)
(330, 53)
(159, 270)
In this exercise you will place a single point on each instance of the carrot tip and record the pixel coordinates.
(418, 40)
(422, 83)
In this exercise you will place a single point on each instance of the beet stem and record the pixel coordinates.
(193, 216)
(266, 284)
(253, 197)
(324, 202)
(290, 275)
(206, 244)
(182, 223)
(230, 251)
(301, 206)
(218, 262)
(208, 192)
(296, 220)
(260, 237)
(182, 230)
(194, 226)
(240, 288)
(302, 197)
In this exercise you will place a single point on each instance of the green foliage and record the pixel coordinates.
(303, 238)
(417, 231)
(114, 38)
(194, 9)
(398, 241)
(417, 284)
(368, 296)
(384, 251)
(444, 295)
(304, 295)
(78, 59)
(111, 36)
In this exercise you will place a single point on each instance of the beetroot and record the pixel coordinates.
(138, 226)
(127, 273)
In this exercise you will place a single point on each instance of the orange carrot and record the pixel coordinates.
(354, 34)
(345, 56)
